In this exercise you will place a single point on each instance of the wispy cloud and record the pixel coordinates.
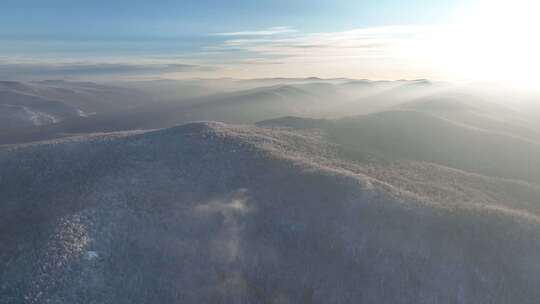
(278, 30)
(372, 52)
(376, 52)
(73, 69)
(380, 42)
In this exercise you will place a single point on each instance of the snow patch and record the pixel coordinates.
(91, 255)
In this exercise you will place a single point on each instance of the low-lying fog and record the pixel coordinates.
(50, 109)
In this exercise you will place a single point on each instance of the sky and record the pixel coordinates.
(384, 39)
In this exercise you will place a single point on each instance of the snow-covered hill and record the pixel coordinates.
(215, 213)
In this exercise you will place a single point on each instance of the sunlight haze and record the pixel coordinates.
(442, 40)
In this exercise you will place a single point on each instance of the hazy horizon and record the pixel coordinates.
(467, 40)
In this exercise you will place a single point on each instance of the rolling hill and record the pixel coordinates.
(216, 213)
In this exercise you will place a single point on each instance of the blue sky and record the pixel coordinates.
(236, 38)
(99, 19)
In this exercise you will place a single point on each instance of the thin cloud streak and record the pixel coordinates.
(369, 43)
(277, 30)
(44, 70)
(388, 52)
(378, 52)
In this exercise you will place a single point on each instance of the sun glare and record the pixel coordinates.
(496, 41)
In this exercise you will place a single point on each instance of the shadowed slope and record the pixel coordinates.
(48, 102)
(413, 135)
(21, 110)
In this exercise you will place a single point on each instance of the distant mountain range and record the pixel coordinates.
(48, 102)
(90, 108)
